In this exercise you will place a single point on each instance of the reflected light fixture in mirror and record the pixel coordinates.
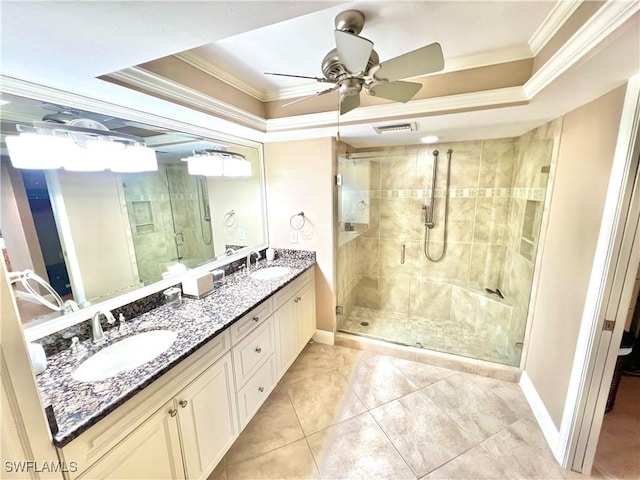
(81, 145)
(218, 163)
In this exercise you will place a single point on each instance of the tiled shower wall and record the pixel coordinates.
(493, 184)
(152, 215)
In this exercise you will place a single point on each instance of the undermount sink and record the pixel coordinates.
(124, 355)
(269, 273)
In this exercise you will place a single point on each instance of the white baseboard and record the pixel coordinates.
(322, 336)
(549, 429)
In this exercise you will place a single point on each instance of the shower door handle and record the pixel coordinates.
(181, 236)
(403, 250)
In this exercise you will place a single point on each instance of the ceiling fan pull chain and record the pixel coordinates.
(338, 122)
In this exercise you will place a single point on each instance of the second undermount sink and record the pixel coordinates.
(124, 355)
(269, 273)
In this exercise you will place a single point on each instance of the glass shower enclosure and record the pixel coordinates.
(473, 301)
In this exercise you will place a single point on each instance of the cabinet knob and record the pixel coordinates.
(261, 389)
(298, 299)
(173, 412)
(256, 319)
(258, 350)
(183, 403)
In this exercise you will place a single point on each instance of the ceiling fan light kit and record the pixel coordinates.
(354, 65)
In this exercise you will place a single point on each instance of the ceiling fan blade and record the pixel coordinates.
(412, 64)
(397, 91)
(317, 79)
(353, 51)
(348, 103)
(328, 90)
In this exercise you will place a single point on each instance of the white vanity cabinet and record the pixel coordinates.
(151, 451)
(294, 318)
(254, 361)
(181, 425)
(193, 424)
(207, 419)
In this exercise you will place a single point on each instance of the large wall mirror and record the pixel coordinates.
(95, 235)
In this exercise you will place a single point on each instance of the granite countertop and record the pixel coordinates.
(79, 405)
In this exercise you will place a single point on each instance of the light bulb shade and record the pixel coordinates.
(134, 158)
(39, 152)
(94, 157)
(207, 165)
(236, 167)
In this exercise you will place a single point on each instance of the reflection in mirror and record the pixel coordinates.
(353, 196)
(94, 235)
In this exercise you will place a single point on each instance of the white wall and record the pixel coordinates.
(582, 174)
(300, 177)
(99, 231)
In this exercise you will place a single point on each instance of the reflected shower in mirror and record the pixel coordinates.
(94, 235)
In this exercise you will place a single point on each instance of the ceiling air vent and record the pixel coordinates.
(397, 128)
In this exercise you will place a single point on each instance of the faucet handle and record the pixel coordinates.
(110, 318)
(123, 328)
(75, 345)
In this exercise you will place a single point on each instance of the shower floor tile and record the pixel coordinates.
(442, 335)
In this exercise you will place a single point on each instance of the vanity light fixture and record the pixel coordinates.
(79, 145)
(218, 162)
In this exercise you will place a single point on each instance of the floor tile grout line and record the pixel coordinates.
(272, 449)
(466, 432)
(315, 460)
(391, 441)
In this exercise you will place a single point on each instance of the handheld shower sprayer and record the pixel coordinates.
(429, 209)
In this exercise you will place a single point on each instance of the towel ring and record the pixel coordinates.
(228, 218)
(301, 224)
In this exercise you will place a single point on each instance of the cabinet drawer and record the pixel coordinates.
(253, 351)
(251, 320)
(289, 291)
(256, 391)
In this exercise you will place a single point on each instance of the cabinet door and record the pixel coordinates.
(151, 451)
(207, 418)
(305, 301)
(286, 335)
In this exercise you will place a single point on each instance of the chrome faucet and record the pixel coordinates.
(251, 254)
(97, 335)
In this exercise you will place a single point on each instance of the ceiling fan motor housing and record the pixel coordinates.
(334, 70)
(350, 21)
(350, 86)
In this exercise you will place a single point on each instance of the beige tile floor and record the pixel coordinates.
(618, 453)
(340, 413)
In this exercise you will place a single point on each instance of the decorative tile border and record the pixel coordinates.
(522, 193)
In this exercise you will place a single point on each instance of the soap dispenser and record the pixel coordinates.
(271, 254)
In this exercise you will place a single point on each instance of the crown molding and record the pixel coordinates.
(206, 65)
(490, 98)
(164, 88)
(557, 17)
(24, 88)
(486, 59)
(17, 117)
(604, 21)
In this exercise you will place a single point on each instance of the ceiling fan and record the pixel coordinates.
(354, 65)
